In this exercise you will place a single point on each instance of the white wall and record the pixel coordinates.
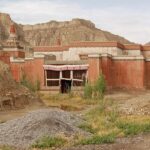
(73, 53)
(134, 52)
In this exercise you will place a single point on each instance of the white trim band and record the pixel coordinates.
(65, 67)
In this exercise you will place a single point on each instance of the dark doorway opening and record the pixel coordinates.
(65, 86)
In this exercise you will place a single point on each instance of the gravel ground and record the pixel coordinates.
(22, 132)
(137, 105)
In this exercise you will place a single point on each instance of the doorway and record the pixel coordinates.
(65, 86)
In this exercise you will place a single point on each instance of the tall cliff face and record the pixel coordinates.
(49, 33)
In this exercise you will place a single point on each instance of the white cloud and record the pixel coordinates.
(131, 24)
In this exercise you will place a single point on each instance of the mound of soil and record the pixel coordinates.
(24, 131)
(12, 94)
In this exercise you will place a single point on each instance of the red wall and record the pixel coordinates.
(33, 69)
(120, 73)
(106, 64)
(17, 54)
(94, 69)
(128, 74)
(16, 69)
(5, 57)
(147, 72)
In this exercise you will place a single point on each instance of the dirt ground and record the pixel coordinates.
(6, 115)
(129, 103)
(132, 103)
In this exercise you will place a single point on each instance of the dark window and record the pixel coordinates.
(66, 74)
(52, 74)
(52, 83)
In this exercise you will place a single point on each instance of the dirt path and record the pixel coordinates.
(13, 114)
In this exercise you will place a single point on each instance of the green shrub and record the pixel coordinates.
(109, 138)
(100, 87)
(87, 91)
(97, 90)
(47, 142)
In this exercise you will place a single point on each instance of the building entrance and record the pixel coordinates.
(65, 86)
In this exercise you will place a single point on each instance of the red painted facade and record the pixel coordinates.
(118, 73)
(147, 74)
(129, 74)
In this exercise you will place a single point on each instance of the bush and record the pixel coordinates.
(87, 91)
(100, 86)
(97, 90)
(47, 142)
(109, 138)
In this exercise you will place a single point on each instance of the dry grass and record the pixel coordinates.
(6, 148)
(102, 118)
(105, 120)
(68, 102)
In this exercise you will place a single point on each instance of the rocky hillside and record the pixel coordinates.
(49, 33)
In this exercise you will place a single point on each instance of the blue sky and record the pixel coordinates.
(128, 18)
